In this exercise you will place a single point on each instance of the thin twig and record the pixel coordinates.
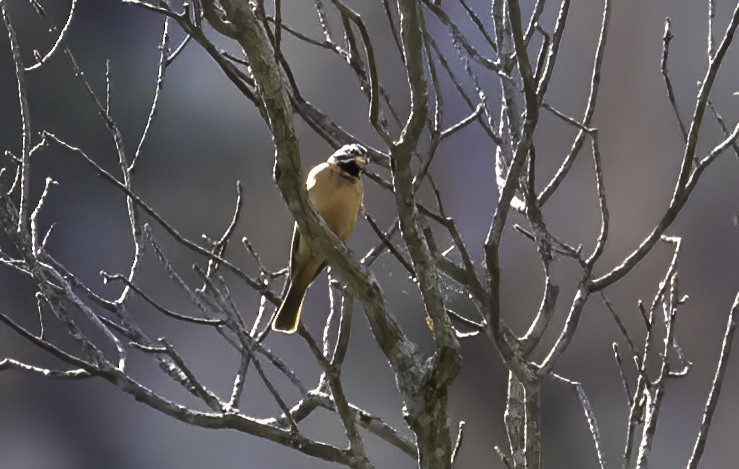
(59, 39)
(458, 442)
(446, 133)
(600, 242)
(9, 363)
(716, 385)
(622, 375)
(25, 114)
(219, 247)
(722, 124)
(163, 62)
(619, 323)
(711, 41)
(35, 245)
(666, 39)
(389, 244)
(167, 312)
(589, 416)
(569, 159)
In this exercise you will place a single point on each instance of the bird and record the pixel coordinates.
(336, 192)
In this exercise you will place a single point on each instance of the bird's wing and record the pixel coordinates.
(299, 252)
(303, 265)
(294, 246)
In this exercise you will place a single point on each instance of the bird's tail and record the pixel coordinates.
(288, 316)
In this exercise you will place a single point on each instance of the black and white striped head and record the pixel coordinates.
(350, 158)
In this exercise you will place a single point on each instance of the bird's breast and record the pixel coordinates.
(336, 197)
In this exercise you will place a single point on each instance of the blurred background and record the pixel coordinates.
(206, 136)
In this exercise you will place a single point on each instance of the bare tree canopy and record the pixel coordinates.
(543, 273)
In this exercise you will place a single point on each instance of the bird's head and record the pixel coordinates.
(351, 158)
